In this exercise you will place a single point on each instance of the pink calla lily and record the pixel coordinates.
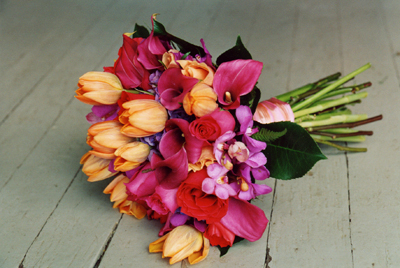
(234, 79)
(245, 220)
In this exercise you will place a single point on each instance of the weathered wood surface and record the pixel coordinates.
(344, 213)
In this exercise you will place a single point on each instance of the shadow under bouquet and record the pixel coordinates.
(189, 143)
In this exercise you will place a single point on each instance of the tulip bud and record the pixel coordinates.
(182, 242)
(131, 156)
(200, 101)
(143, 118)
(95, 167)
(273, 110)
(117, 189)
(99, 88)
(105, 137)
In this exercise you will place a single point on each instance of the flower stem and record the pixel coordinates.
(329, 88)
(358, 138)
(336, 119)
(341, 148)
(347, 125)
(329, 104)
(301, 90)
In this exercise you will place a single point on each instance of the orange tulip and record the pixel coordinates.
(105, 137)
(168, 59)
(99, 88)
(117, 189)
(131, 156)
(206, 158)
(96, 168)
(182, 242)
(197, 70)
(142, 118)
(200, 101)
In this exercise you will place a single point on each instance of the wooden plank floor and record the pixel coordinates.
(344, 213)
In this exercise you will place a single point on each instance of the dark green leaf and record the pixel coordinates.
(140, 31)
(235, 53)
(159, 29)
(180, 44)
(267, 136)
(293, 154)
(224, 250)
(251, 99)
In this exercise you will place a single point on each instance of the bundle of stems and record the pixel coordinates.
(321, 108)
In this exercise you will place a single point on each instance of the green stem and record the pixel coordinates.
(349, 139)
(329, 104)
(347, 125)
(301, 90)
(329, 88)
(336, 119)
(323, 116)
(341, 148)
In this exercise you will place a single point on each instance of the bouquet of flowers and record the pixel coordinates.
(187, 140)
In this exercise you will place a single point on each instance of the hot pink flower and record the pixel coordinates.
(212, 126)
(234, 79)
(245, 220)
(173, 86)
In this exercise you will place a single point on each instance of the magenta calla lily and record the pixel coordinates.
(151, 51)
(142, 184)
(128, 69)
(234, 79)
(170, 172)
(245, 220)
(182, 134)
(173, 86)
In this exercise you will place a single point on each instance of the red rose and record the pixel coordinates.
(195, 203)
(219, 235)
(211, 126)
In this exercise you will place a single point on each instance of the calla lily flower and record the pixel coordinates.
(142, 184)
(173, 86)
(234, 79)
(182, 242)
(151, 51)
(127, 67)
(245, 220)
(273, 110)
(99, 88)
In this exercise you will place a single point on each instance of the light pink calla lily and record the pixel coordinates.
(234, 79)
(273, 110)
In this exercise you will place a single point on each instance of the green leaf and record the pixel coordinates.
(224, 250)
(235, 53)
(267, 136)
(159, 29)
(293, 154)
(140, 31)
(251, 99)
(180, 44)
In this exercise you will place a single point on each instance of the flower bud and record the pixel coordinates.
(200, 101)
(105, 137)
(182, 242)
(131, 156)
(99, 88)
(96, 168)
(142, 118)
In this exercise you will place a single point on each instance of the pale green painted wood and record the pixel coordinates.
(50, 219)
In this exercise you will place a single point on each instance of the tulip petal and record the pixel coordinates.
(245, 220)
